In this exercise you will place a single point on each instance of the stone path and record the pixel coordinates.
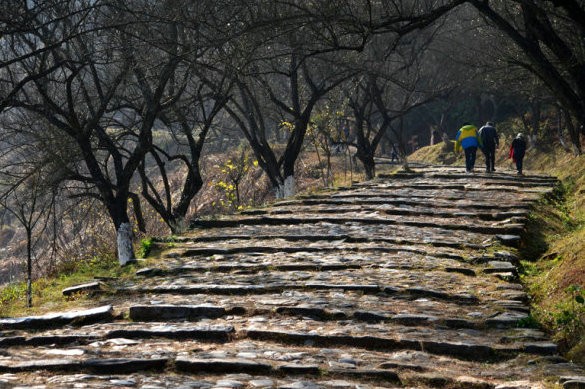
(405, 281)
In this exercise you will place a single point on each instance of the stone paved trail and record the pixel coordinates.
(408, 281)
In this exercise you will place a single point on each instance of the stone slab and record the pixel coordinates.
(466, 351)
(44, 364)
(195, 365)
(165, 312)
(84, 288)
(209, 334)
(81, 317)
(123, 365)
(300, 369)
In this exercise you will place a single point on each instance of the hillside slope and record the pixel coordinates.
(554, 250)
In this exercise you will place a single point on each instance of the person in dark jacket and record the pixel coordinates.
(490, 141)
(517, 151)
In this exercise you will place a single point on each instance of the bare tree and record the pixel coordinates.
(398, 77)
(21, 25)
(306, 59)
(188, 122)
(83, 102)
(549, 35)
(26, 192)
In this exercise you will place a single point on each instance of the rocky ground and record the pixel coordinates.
(405, 281)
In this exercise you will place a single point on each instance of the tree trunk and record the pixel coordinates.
(294, 146)
(536, 115)
(560, 113)
(29, 267)
(369, 166)
(124, 239)
(573, 134)
(286, 189)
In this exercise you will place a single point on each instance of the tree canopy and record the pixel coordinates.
(115, 95)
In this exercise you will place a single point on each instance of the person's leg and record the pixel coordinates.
(519, 163)
(467, 152)
(486, 154)
(492, 153)
(472, 152)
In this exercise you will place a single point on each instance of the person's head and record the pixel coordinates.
(491, 124)
(520, 135)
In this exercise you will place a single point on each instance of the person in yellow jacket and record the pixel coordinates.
(468, 139)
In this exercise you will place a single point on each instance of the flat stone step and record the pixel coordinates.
(158, 312)
(99, 366)
(47, 365)
(418, 210)
(207, 334)
(173, 312)
(397, 257)
(357, 219)
(387, 199)
(123, 365)
(487, 344)
(251, 367)
(64, 336)
(500, 267)
(223, 289)
(79, 317)
(84, 288)
(191, 380)
(41, 340)
(379, 305)
(440, 283)
(462, 350)
(480, 189)
(219, 252)
(265, 242)
(256, 268)
(346, 235)
(501, 179)
(245, 268)
(264, 361)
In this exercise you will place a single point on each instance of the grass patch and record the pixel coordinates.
(558, 280)
(548, 220)
(47, 291)
(556, 286)
(438, 154)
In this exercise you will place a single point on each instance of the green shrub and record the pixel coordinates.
(145, 247)
(12, 293)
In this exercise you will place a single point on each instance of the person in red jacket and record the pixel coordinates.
(517, 151)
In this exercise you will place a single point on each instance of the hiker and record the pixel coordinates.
(394, 154)
(517, 151)
(468, 139)
(490, 141)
